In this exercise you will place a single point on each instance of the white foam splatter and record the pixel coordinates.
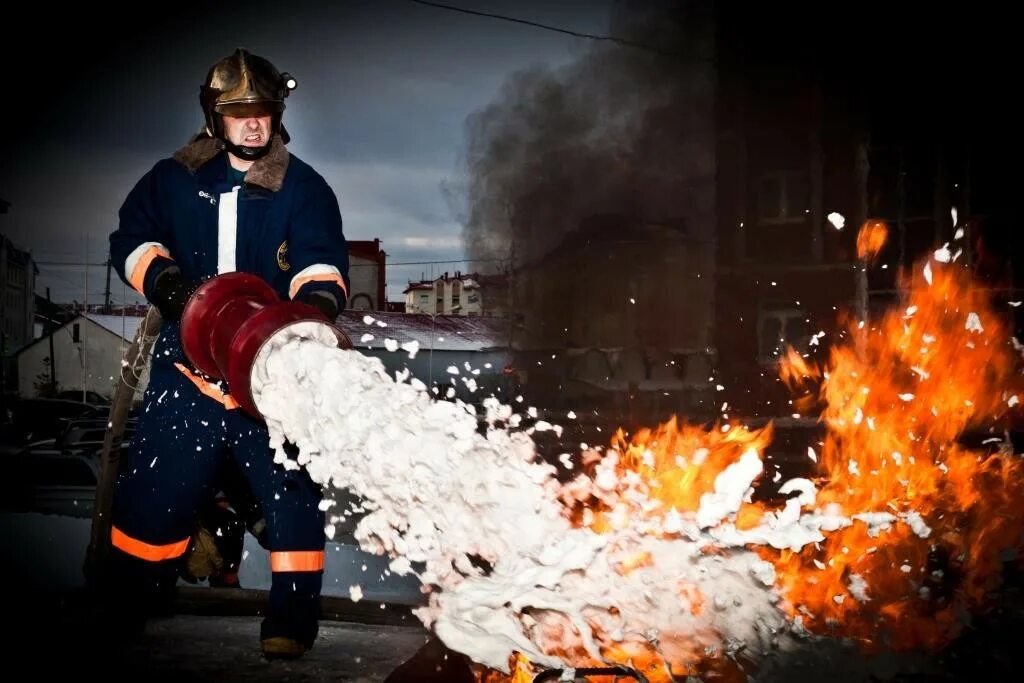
(917, 524)
(411, 347)
(858, 588)
(439, 497)
(973, 323)
(730, 486)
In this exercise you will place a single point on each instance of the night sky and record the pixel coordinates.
(384, 91)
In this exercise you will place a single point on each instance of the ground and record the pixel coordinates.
(214, 636)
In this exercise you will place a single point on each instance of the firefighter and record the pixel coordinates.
(233, 199)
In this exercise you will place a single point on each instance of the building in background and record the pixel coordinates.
(618, 317)
(17, 305)
(367, 262)
(808, 134)
(457, 293)
(87, 354)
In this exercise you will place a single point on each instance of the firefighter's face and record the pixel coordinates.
(247, 131)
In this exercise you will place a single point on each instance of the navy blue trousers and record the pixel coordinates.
(170, 468)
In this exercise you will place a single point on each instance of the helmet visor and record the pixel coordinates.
(244, 110)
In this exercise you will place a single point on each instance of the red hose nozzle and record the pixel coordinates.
(229, 319)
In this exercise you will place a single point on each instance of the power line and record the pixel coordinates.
(80, 264)
(429, 263)
(548, 27)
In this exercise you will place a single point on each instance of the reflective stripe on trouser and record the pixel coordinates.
(172, 466)
(297, 561)
(147, 551)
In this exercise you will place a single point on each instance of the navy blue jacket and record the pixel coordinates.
(284, 221)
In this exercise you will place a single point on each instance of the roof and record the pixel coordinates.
(440, 332)
(123, 326)
(468, 280)
(367, 249)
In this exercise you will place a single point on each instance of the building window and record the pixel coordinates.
(472, 298)
(424, 298)
(779, 328)
(783, 197)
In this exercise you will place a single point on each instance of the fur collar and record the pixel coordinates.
(267, 172)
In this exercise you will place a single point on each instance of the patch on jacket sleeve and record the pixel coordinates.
(282, 256)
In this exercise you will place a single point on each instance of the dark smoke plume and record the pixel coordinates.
(624, 131)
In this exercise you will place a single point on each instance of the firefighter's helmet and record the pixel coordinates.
(245, 85)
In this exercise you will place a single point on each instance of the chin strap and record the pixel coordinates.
(248, 153)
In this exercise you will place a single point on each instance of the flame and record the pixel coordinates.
(521, 672)
(679, 462)
(871, 239)
(930, 517)
(894, 409)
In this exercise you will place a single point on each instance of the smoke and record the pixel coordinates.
(624, 130)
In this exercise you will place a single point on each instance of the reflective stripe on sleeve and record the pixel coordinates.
(137, 263)
(318, 272)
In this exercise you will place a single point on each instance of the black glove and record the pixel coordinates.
(171, 292)
(323, 302)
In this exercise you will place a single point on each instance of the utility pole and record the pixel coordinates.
(106, 291)
(49, 333)
(85, 312)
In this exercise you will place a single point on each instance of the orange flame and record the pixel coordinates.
(680, 462)
(521, 672)
(871, 239)
(894, 410)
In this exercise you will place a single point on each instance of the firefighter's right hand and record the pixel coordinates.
(171, 292)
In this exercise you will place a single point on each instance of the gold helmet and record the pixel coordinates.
(245, 85)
